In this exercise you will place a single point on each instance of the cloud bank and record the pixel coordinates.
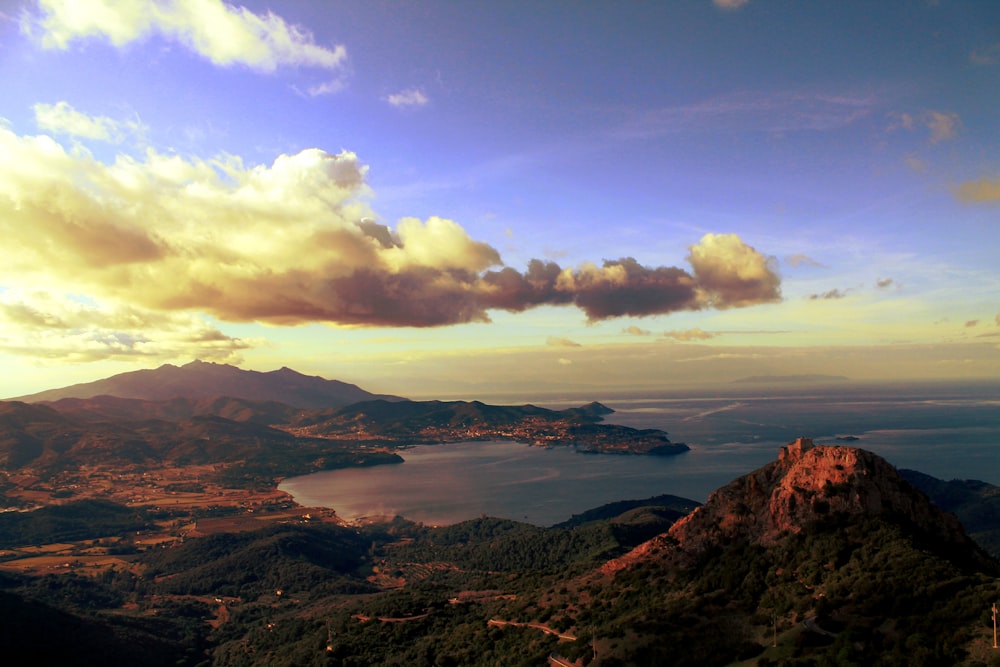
(295, 242)
(43, 325)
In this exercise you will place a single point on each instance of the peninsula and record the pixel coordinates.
(193, 450)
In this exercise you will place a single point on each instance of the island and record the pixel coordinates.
(438, 422)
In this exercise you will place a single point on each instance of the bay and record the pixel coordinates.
(950, 431)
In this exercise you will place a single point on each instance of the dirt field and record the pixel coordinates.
(197, 507)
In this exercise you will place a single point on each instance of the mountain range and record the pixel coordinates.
(201, 379)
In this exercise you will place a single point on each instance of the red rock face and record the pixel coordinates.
(807, 484)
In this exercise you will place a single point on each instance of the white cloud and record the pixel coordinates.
(61, 118)
(774, 112)
(407, 98)
(326, 88)
(222, 33)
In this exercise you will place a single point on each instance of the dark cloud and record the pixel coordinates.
(884, 283)
(832, 294)
(381, 233)
(624, 287)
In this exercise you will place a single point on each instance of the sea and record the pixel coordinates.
(947, 430)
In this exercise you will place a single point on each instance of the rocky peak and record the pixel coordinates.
(807, 484)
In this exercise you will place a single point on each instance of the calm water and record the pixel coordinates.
(948, 431)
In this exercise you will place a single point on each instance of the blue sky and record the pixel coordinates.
(440, 198)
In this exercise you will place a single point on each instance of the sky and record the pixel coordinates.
(459, 199)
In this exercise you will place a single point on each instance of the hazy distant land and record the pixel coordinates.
(806, 378)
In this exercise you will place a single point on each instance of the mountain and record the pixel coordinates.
(66, 449)
(825, 556)
(808, 486)
(200, 379)
(975, 503)
(114, 408)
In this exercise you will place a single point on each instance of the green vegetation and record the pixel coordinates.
(79, 520)
(860, 590)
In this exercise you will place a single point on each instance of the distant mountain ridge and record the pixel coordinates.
(807, 378)
(202, 380)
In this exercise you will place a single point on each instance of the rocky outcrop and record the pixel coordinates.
(806, 485)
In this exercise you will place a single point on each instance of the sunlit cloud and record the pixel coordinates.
(971, 323)
(729, 4)
(732, 274)
(989, 55)
(802, 260)
(556, 341)
(943, 125)
(916, 163)
(217, 31)
(47, 326)
(563, 361)
(636, 331)
(61, 118)
(295, 242)
(408, 98)
(982, 191)
(900, 121)
(723, 356)
(689, 334)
